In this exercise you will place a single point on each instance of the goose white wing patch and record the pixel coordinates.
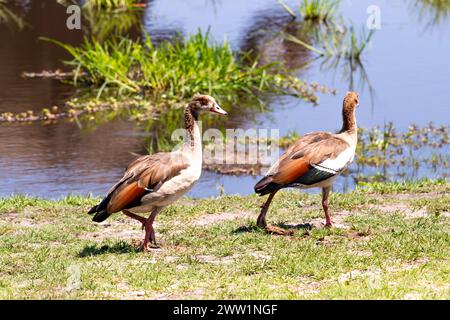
(337, 164)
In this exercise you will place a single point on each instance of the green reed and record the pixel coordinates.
(314, 10)
(111, 4)
(177, 70)
(318, 10)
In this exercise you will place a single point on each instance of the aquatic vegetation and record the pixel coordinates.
(105, 4)
(434, 11)
(384, 146)
(7, 16)
(315, 10)
(287, 8)
(318, 10)
(403, 155)
(177, 70)
(76, 108)
(354, 44)
(112, 4)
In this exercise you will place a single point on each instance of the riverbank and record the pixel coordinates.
(390, 241)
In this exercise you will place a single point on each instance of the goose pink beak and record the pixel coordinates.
(217, 109)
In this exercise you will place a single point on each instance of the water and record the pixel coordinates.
(408, 67)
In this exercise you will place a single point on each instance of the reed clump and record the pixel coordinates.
(314, 10)
(318, 10)
(104, 4)
(178, 69)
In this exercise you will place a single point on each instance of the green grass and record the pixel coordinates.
(416, 187)
(380, 248)
(438, 206)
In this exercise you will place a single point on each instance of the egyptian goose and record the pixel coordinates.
(315, 160)
(152, 182)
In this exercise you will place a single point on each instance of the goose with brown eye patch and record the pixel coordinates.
(152, 182)
(313, 161)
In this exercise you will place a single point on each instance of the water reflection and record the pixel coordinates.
(101, 24)
(431, 12)
(10, 18)
(264, 39)
(351, 72)
(340, 52)
(22, 50)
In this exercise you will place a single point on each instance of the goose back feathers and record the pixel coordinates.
(144, 175)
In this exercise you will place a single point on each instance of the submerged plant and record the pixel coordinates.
(355, 44)
(314, 10)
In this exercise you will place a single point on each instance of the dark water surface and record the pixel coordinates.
(407, 64)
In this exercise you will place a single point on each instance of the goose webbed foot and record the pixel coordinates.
(261, 223)
(279, 231)
(150, 239)
(149, 246)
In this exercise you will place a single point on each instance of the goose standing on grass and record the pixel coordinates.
(315, 160)
(152, 182)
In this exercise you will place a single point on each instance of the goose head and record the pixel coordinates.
(205, 103)
(351, 101)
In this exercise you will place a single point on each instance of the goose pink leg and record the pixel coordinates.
(325, 195)
(150, 231)
(261, 222)
(147, 225)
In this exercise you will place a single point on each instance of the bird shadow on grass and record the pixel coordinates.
(245, 229)
(301, 226)
(254, 228)
(118, 247)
